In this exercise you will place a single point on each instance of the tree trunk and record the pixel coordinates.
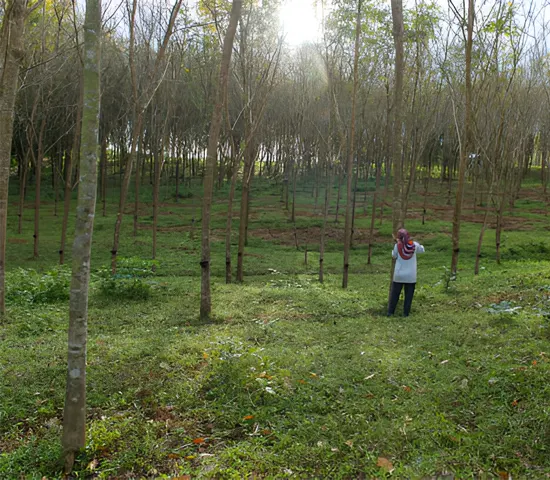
(349, 206)
(338, 195)
(464, 151)
(235, 162)
(397, 143)
(11, 51)
(69, 174)
(137, 181)
(324, 227)
(74, 415)
(38, 181)
(104, 161)
(158, 160)
(124, 194)
(373, 213)
(23, 190)
(247, 174)
(213, 138)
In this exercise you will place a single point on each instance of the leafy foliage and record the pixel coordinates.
(27, 286)
(130, 282)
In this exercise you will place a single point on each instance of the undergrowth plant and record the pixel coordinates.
(131, 280)
(26, 286)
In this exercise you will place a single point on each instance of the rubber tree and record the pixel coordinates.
(211, 156)
(351, 150)
(466, 143)
(74, 415)
(11, 54)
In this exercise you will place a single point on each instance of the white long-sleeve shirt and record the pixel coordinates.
(405, 270)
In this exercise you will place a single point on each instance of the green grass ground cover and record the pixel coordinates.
(292, 379)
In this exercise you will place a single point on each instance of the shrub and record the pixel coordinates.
(27, 286)
(130, 280)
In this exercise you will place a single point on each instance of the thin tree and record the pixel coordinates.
(211, 154)
(397, 140)
(11, 53)
(466, 143)
(74, 415)
(351, 151)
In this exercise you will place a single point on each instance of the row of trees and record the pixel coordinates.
(460, 93)
(289, 112)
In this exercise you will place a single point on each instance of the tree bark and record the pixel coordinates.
(23, 190)
(397, 143)
(235, 162)
(349, 201)
(464, 151)
(11, 51)
(213, 138)
(38, 184)
(324, 226)
(69, 174)
(373, 212)
(74, 415)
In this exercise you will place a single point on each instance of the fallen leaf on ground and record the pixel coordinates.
(248, 417)
(385, 464)
(199, 441)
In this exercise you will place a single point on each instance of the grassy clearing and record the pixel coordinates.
(293, 378)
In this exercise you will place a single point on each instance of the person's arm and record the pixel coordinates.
(394, 251)
(419, 248)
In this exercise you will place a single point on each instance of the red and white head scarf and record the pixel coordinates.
(405, 245)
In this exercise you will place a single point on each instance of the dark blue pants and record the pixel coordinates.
(396, 288)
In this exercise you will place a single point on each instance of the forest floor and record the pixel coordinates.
(293, 378)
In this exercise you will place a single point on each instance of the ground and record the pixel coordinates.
(292, 378)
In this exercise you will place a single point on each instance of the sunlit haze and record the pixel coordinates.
(300, 21)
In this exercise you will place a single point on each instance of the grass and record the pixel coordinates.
(292, 378)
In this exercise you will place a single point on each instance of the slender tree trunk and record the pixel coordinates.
(213, 138)
(11, 51)
(55, 172)
(137, 181)
(104, 162)
(500, 225)
(294, 181)
(397, 142)
(23, 190)
(177, 179)
(338, 195)
(350, 201)
(373, 213)
(235, 162)
(324, 227)
(123, 196)
(466, 143)
(69, 173)
(483, 228)
(74, 415)
(38, 181)
(247, 173)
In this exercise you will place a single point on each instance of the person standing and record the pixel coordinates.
(404, 275)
